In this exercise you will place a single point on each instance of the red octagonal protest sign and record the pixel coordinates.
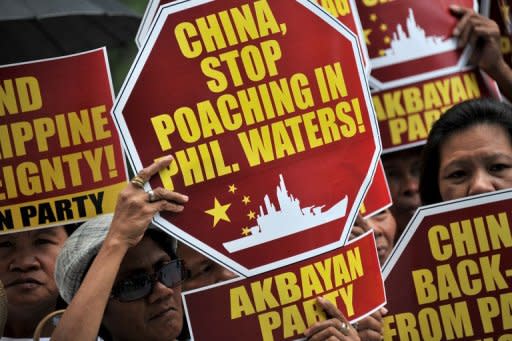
(265, 108)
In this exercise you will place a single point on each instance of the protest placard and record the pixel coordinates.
(343, 10)
(281, 304)
(60, 155)
(273, 145)
(418, 69)
(406, 113)
(378, 196)
(409, 41)
(346, 12)
(448, 277)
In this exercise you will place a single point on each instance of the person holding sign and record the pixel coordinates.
(483, 34)
(468, 152)
(385, 227)
(202, 271)
(124, 275)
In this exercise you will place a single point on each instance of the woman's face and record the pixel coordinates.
(159, 315)
(384, 226)
(403, 174)
(27, 264)
(203, 270)
(474, 161)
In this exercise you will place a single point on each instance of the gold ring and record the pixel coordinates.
(138, 181)
(152, 196)
(344, 328)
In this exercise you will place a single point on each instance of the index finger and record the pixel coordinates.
(459, 11)
(330, 309)
(463, 14)
(155, 167)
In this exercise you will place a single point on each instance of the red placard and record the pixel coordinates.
(406, 113)
(378, 196)
(343, 10)
(60, 156)
(448, 277)
(274, 146)
(346, 12)
(410, 41)
(280, 305)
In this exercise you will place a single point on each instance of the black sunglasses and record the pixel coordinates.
(141, 285)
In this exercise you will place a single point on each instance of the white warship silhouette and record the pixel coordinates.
(412, 45)
(289, 220)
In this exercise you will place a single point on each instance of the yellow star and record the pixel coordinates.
(232, 189)
(373, 17)
(219, 212)
(246, 231)
(251, 215)
(383, 27)
(246, 200)
(362, 209)
(382, 53)
(387, 39)
(367, 33)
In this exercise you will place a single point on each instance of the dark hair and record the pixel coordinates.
(458, 118)
(164, 240)
(70, 228)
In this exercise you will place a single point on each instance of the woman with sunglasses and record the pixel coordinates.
(123, 280)
(117, 274)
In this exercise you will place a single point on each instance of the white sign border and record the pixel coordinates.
(425, 211)
(134, 159)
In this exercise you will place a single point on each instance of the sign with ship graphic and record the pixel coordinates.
(275, 147)
(273, 223)
(410, 41)
(418, 70)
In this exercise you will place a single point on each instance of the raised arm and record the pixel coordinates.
(132, 215)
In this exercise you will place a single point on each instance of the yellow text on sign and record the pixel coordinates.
(410, 112)
(281, 301)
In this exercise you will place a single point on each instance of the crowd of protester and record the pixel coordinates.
(120, 278)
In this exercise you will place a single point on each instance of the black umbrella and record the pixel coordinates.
(33, 29)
